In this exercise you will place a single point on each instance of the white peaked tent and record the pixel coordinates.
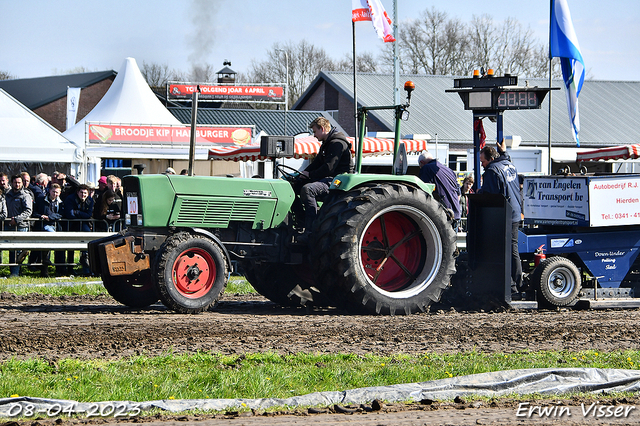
(129, 100)
(27, 138)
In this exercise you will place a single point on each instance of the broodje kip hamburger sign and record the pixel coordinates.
(109, 133)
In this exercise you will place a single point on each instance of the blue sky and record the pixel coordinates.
(52, 37)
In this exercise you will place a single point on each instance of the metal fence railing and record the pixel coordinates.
(69, 237)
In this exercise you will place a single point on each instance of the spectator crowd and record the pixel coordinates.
(57, 203)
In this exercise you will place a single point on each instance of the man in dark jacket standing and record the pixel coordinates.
(501, 177)
(333, 158)
(19, 208)
(80, 206)
(49, 210)
(447, 188)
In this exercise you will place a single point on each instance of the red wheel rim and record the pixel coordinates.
(392, 252)
(194, 273)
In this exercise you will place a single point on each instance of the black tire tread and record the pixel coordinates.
(333, 237)
(277, 282)
(135, 291)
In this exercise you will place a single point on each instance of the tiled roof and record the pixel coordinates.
(609, 110)
(269, 121)
(35, 92)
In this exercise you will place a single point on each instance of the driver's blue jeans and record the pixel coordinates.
(310, 194)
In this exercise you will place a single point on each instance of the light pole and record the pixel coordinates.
(286, 83)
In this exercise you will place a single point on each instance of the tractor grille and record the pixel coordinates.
(216, 213)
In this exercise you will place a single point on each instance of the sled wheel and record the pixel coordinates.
(558, 280)
(134, 291)
(390, 249)
(285, 285)
(191, 273)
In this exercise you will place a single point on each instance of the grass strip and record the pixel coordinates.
(74, 286)
(208, 375)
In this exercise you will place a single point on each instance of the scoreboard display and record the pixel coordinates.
(503, 99)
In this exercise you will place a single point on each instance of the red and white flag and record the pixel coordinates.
(372, 10)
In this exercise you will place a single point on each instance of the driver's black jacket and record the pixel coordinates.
(333, 158)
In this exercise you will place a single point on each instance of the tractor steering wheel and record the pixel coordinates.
(288, 172)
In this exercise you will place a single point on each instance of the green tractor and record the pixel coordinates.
(381, 243)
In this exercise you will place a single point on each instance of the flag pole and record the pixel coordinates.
(551, 91)
(355, 93)
(396, 71)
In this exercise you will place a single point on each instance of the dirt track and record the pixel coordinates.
(89, 327)
(84, 327)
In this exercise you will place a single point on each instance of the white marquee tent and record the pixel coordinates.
(27, 138)
(129, 100)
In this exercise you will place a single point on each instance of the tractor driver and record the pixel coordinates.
(333, 158)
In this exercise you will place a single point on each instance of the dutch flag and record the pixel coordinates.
(563, 43)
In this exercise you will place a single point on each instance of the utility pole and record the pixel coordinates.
(286, 83)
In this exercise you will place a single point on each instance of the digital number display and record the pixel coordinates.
(518, 100)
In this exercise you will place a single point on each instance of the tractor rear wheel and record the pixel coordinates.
(192, 273)
(384, 249)
(134, 291)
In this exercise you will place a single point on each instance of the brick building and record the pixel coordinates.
(47, 96)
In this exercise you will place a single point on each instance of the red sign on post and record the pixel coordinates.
(99, 133)
(226, 92)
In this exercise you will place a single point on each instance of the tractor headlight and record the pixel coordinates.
(127, 219)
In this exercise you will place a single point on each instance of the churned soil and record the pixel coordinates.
(86, 327)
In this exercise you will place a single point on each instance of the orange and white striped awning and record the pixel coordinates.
(308, 146)
(623, 152)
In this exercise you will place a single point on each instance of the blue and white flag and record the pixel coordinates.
(563, 43)
(73, 97)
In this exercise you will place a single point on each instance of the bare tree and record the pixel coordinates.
(366, 62)
(156, 75)
(305, 62)
(5, 75)
(433, 44)
(483, 42)
(436, 44)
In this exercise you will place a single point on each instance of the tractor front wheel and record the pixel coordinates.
(191, 272)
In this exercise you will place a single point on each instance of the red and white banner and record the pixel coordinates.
(308, 146)
(116, 134)
(372, 10)
(227, 92)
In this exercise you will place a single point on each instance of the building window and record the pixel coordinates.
(116, 166)
(458, 163)
(334, 113)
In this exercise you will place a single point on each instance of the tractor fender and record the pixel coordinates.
(347, 182)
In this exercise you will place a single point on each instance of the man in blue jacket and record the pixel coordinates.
(501, 177)
(447, 188)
